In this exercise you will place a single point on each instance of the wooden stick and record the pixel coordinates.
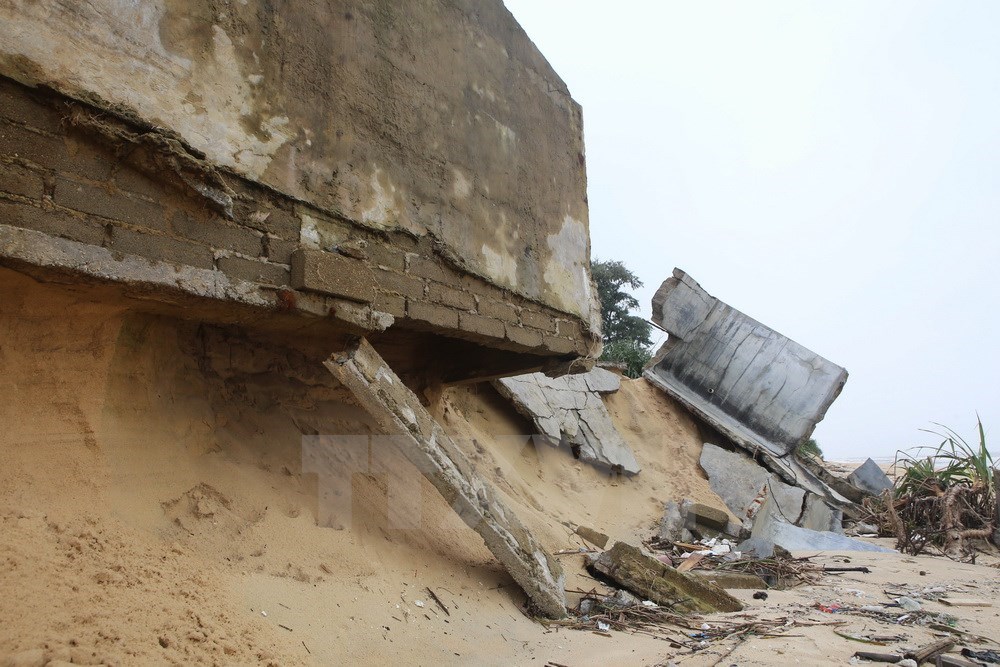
(931, 651)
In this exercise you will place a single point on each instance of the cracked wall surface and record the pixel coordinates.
(438, 120)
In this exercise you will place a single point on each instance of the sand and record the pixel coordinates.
(155, 504)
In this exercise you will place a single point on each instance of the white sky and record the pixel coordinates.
(831, 168)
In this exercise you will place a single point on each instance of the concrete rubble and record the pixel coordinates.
(569, 411)
(761, 390)
(770, 531)
(659, 583)
(682, 521)
(870, 479)
(398, 411)
(744, 485)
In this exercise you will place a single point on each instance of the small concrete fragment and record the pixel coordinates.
(569, 410)
(603, 381)
(397, 410)
(652, 580)
(673, 526)
(709, 517)
(870, 479)
(596, 538)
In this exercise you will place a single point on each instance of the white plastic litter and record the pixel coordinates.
(419, 603)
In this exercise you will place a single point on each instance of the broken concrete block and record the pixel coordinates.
(652, 580)
(397, 410)
(673, 525)
(603, 381)
(747, 380)
(568, 410)
(599, 540)
(735, 477)
(769, 530)
(709, 517)
(741, 483)
(869, 478)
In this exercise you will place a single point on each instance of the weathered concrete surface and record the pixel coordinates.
(439, 119)
(569, 410)
(770, 531)
(756, 386)
(743, 485)
(652, 580)
(870, 479)
(819, 515)
(397, 410)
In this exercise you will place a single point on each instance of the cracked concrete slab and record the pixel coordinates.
(398, 411)
(569, 410)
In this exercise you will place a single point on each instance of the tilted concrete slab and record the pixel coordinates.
(760, 389)
(569, 410)
(397, 410)
(754, 384)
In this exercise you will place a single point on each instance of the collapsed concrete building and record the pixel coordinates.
(411, 173)
(229, 230)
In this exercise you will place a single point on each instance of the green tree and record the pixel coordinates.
(627, 337)
(810, 448)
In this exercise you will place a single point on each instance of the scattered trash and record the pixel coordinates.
(419, 603)
(908, 604)
(263, 613)
(989, 656)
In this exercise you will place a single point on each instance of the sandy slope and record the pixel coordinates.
(155, 502)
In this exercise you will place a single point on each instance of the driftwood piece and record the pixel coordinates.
(931, 651)
(398, 411)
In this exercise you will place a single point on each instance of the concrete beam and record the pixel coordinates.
(397, 410)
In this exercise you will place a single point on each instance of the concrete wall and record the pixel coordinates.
(746, 379)
(438, 118)
(106, 198)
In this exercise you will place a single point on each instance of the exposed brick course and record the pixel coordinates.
(159, 247)
(541, 321)
(15, 179)
(336, 275)
(430, 313)
(217, 233)
(523, 336)
(51, 221)
(67, 183)
(107, 202)
(486, 326)
(449, 296)
(254, 271)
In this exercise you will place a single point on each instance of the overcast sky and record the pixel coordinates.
(830, 168)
